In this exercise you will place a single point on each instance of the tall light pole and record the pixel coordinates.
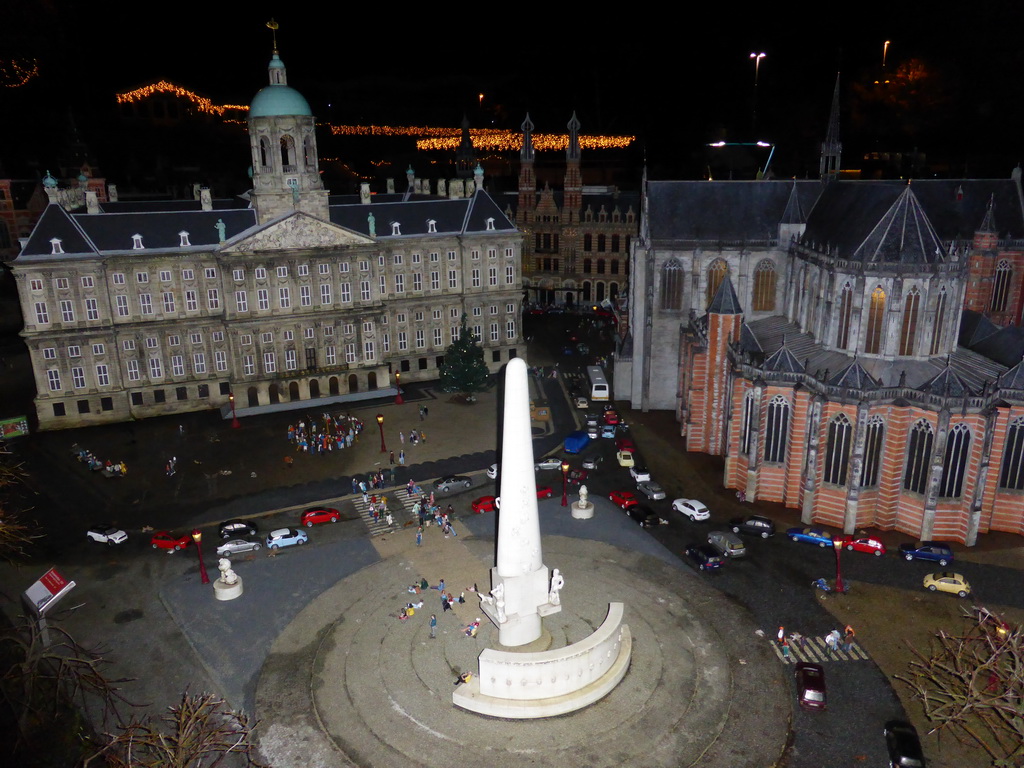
(234, 418)
(565, 479)
(885, 51)
(757, 71)
(838, 546)
(197, 537)
(380, 426)
(399, 400)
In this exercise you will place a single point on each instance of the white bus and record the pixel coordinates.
(598, 383)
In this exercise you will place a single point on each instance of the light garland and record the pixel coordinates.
(201, 102)
(15, 73)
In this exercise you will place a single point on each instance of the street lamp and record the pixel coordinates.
(234, 417)
(885, 51)
(565, 478)
(380, 426)
(757, 64)
(399, 400)
(197, 537)
(837, 544)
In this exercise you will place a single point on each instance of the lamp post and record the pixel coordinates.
(380, 426)
(197, 537)
(757, 64)
(565, 478)
(885, 51)
(837, 544)
(234, 417)
(399, 400)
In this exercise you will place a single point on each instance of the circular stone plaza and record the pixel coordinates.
(348, 683)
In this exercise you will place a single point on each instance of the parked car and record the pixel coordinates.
(544, 492)
(575, 442)
(608, 431)
(316, 515)
(927, 550)
(947, 581)
(591, 419)
(640, 473)
(237, 547)
(705, 556)
(623, 499)
(484, 504)
(864, 544)
(692, 508)
(550, 462)
(903, 744)
(811, 536)
(492, 472)
(449, 482)
(611, 417)
(576, 476)
(591, 462)
(582, 404)
(651, 490)
(286, 537)
(810, 686)
(729, 544)
(167, 540)
(625, 459)
(625, 444)
(237, 527)
(105, 533)
(643, 515)
(592, 433)
(755, 525)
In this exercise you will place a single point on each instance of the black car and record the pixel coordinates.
(903, 745)
(237, 527)
(755, 525)
(643, 515)
(705, 556)
(452, 481)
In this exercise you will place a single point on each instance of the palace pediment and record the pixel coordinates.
(294, 232)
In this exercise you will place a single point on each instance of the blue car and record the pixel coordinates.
(286, 537)
(608, 430)
(927, 550)
(811, 536)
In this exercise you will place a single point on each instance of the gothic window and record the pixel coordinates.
(748, 419)
(764, 286)
(716, 273)
(876, 319)
(1012, 475)
(1001, 286)
(919, 455)
(908, 330)
(837, 454)
(958, 447)
(672, 285)
(777, 430)
(872, 452)
(940, 322)
(845, 317)
(287, 152)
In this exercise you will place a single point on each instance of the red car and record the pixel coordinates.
(167, 540)
(576, 476)
(623, 499)
(611, 418)
(864, 544)
(320, 515)
(625, 444)
(544, 492)
(484, 504)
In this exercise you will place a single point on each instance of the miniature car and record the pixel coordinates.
(608, 431)
(286, 537)
(692, 508)
(864, 544)
(755, 524)
(705, 556)
(640, 473)
(319, 515)
(236, 547)
(105, 533)
(625, 459)
(651, 490)
(492, 472)
(622, 499)
(947, 581)
(544, 492)
(576, 476)
(611, 418)
(643, 515)
(729, 544)
(903, 744)
(811, 536)
(582, 404)
(625, 444)
(927, 550)
(166, 540)
(452, 481)
(484, 504)
(237, 527)
(810, 686)
(548, 463)
(591, 462)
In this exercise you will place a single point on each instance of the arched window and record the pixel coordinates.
(919, 455)
(1011, 477)
(308, 155)
(908, 330)
(837, 454)
(748, 423)
(672, 285)
(940, 322)
(287, 152)
(764, 286)
(872, 452)
(716, 273)
(600, 291)
(588, 242)
(586, 291)
(845, 315)
(777, 430)
(876, 319)
(264, 152)
(958, 447)
(588, 265)
(613, 291)
(1001, 286)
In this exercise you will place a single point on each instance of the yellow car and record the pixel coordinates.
(947, 581)
(625, 459)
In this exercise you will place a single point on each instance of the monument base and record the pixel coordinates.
(582, 511)
(224, 591)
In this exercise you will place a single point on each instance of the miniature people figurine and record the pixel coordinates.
(557, 582)
(584, 493)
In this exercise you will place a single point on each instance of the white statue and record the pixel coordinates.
(584, 493)
(227, 576)
(557, 582)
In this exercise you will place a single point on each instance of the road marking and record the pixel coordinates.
(816, 651)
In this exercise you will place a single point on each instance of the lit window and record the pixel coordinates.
(876, 319)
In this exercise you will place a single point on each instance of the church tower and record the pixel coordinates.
(282, 136)
(527, 177)
(832, 147)
(572, 200)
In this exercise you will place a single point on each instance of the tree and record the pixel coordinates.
(972, 685)
(14, 535)
(464, 369)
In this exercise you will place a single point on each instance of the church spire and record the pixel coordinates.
(572, 151)
(832, 147)
(527, 178)
(572, 196)
(526, 153)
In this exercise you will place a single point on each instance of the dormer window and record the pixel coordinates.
(56, 247)
(396, 228)
(137, 243)
(184, 239)
(490, 224)
(431, 226)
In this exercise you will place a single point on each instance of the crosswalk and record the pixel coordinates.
(816, 650)
(400, 504)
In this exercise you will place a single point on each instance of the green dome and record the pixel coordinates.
(279, 100)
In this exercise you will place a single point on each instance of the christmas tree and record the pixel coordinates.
(464, 369)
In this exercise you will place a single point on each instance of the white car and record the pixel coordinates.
(592, 433)
(492, 472)
(692, 508)
(107, 534)
(625, 459)
(582, 404)
(640, 473)
(651, 490)
(549, 463)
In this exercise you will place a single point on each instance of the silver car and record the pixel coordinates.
(650, 489)
(729, 544)
(237, 547)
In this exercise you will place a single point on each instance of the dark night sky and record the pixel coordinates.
(677, 82)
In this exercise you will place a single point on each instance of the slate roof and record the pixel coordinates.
(903, 235)
(854, 376)
(783, 361)
(947, 384)
(161, 206)
(452, 216)
(725, 301)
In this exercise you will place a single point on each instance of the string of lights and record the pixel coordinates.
(202, 103)
(15, 73)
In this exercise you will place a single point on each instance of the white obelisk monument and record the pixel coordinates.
(520, 580)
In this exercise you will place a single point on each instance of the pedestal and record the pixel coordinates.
(224, 591)
(582, 511)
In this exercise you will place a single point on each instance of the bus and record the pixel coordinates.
(598, 383)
